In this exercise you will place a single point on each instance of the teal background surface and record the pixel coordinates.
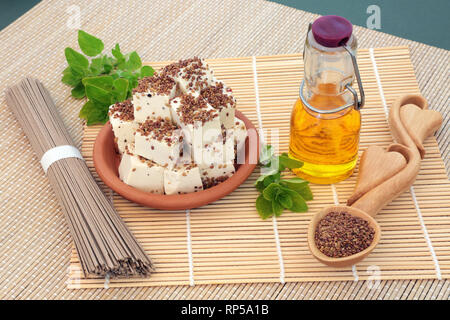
(10, 10)
(425, 21)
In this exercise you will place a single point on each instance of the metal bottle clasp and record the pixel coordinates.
(357, 103)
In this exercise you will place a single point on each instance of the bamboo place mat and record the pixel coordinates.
(35, 242)
(227, 242)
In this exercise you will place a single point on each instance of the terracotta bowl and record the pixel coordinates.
(106, 162)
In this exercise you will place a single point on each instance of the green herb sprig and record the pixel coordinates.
(104, 79)
(277, 193)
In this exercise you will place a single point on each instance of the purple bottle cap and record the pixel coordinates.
(332, 31)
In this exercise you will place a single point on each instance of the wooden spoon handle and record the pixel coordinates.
(376, 165)
(410, 123)
(374, 200)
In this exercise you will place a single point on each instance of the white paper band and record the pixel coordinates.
(59, 153)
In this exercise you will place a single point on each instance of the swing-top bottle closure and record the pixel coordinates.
(334, 32)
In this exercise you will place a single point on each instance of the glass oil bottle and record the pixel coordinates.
(326, 121)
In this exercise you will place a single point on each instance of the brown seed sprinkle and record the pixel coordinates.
(174, 68)
(127, 150)
(216, 98)
(185, 167)
(122, 110)
(209, 182)
(161, 84)
(339, 234)
(195, 109)
(192, 70)
(148, 162)
(159, 129)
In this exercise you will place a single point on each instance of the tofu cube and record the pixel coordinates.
(141, 173)
(186, 154)
(211, 154)
(191, 75)
(199, 121)
(182, 179)
(229, 153)
(160, 141)
(220, 98)
(213, 175)
(213, 168)
(121, 117)
(240, 133)
(151, 98)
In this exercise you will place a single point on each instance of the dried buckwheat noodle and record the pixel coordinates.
(103, 242)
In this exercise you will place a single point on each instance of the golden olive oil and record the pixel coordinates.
(327, 144)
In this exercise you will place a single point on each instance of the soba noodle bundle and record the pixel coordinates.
(104, 244)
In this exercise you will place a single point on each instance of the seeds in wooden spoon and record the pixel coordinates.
(339, 234)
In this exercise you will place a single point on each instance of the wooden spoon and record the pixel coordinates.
(379, 170)
(344, 261)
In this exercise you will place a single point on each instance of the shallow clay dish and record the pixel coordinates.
(106, 162)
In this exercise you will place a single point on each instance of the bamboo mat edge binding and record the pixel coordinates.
(274, 251)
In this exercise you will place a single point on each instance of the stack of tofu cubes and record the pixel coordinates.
(178, 133)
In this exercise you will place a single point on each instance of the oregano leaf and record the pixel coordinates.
(287, 162)
(104, 82)
(298, 204)
(285, 200)
(96, 66)
(117, 53)
(280, 193)
(134, 61)
(277, 208)
(306, 193)
(90, 45)
(147, 71)
(295, 183)
(120, 89)
(270, 192)
(98, 95)
(78, 92)
(86, 110)
(76, 60)
(70, 79)
(264, 207)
